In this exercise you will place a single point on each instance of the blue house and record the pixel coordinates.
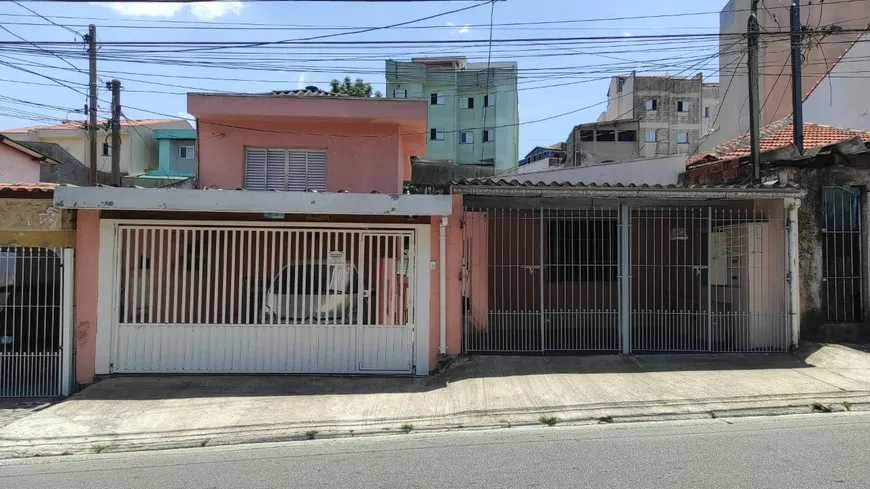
(555, 152)
(176, 153)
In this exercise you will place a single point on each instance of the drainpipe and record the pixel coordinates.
(793, 272)
(442, 271)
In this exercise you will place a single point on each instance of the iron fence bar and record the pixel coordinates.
(541, 278)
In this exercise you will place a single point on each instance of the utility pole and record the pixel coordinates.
(92, 102)
(752, 45)
(796, 88)
(116, 133)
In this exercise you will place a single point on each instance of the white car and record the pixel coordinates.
(320, 291)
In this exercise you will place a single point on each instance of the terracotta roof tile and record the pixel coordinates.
(778, 135)
(81, 125)
(27, 187)
(306, 92)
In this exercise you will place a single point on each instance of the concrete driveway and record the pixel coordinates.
(127, 413)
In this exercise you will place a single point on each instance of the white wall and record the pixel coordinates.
(652, 171)
(842, 99)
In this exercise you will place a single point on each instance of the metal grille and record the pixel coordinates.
(708, 279)
(605, 279)
(541, 280)
(33, 325)
(842, 254)
(229, 299)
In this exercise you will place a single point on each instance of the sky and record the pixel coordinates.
(563, 83)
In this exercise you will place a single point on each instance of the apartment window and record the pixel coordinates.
(285, 169)
(683, 138)
(606, 135)
(466, 103)
(107, 149)
(587, 135)
(436, 134)
(186, 152)
(488, 135)
(489, 100)
(627, 136)
(652, 104)
(620, 82)
(706, 112)
(684, 106)
(466, 137)
(400, 93)
(650, 136)
(436, 99)
(582, 250)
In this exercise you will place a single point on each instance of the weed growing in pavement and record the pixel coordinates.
(548, 420)
(99, 447)
(204, 442)
(407, 428)
(311, 434)
(847, 405)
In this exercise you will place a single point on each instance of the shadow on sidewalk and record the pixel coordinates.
(460, 370)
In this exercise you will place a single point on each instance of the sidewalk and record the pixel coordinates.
(135, 413)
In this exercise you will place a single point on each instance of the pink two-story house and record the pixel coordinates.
(297, 253)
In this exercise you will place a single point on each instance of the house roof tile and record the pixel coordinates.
(27, 187)
(306, 92)
(778, 135)
(81, 125)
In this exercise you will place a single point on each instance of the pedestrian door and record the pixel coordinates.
(35, 321)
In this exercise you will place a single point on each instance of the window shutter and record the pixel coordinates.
(275, 169)
(317, 170)
(255, 169)
(296, 170)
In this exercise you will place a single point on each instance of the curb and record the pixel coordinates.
(577, 415)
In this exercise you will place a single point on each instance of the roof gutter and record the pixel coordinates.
(633, 192)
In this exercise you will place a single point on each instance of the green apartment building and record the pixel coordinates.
(473, 111)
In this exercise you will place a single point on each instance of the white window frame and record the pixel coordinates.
(679, 135)
(466, 137)
(290, 153)
(488, 135)
(466, 102)
(397, 91)
(439, 98)
(489, 100)
(651, 105)
(646, 136)
(189, 152)
(684, 106)
(439, 134)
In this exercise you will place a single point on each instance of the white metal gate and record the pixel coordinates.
(35, 321)
(611, 278)
(224, 299)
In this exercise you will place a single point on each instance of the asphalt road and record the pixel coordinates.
(810, 451)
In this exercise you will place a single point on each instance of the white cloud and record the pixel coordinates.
(213, 10)
(201, 10)
(300, 81)
(458, 31)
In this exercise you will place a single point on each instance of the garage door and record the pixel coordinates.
(212, 299)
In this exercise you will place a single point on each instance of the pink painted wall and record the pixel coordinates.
(357, 161)
(87, 264)
(17, 167)
(369, 142)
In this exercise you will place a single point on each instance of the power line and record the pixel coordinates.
(45, 18)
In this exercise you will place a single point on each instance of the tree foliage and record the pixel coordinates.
(358, 88)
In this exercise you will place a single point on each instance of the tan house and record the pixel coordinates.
(139, 149)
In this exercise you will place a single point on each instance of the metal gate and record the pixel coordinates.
(842, 257)
(35, 321)
(541, 280)
(618, 278)
(263, 300)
